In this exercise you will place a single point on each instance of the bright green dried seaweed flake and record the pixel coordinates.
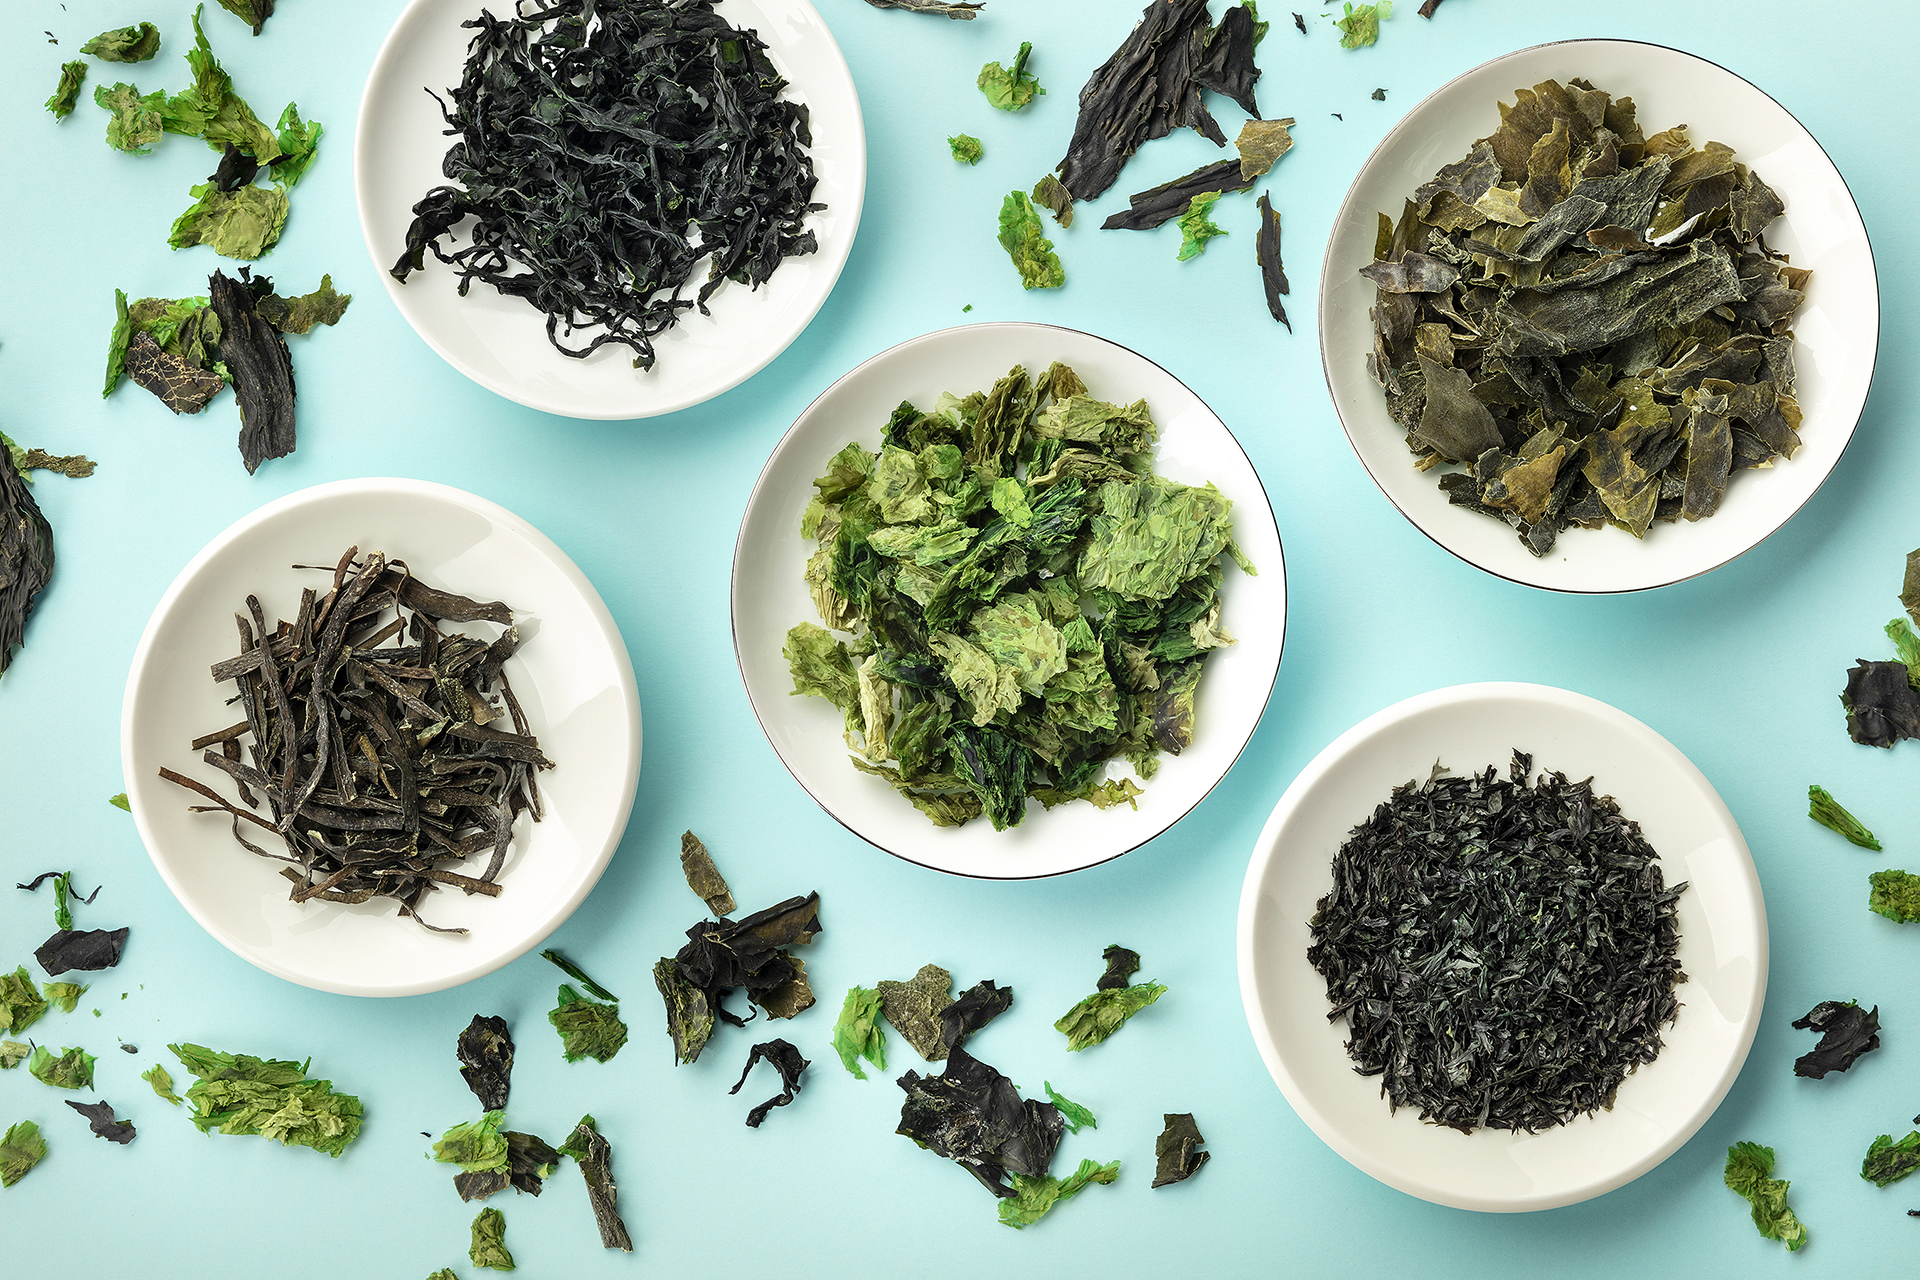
(299, 142)
(20, 1150)
(1076, 1116)
(1153, 535)
(1025, 241)
(1888, 1161)
(13, 1053)
(125, 44)
(134, 122)
(1010, 88)
(1361, 27)
(1104, 1012)
(64, 994)
(489, 1247)
(1826, 811)
(588, 1028)
(244, 223)
(239, 1094)
(966, 148)
(1196, 228)
(1895, 895)
(162, 1084)
(69, 1069)
(21, 1004)
(859, 1032)
(67, 94)
(1749, 1172)
(476, 1145)
(1033, 1198)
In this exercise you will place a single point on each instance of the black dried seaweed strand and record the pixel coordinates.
(606, 148)
(1504, 953)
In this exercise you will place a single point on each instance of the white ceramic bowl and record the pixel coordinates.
(501, 342)
(769, 597)
(571, 675)
(1723, 946)
(1836, 329)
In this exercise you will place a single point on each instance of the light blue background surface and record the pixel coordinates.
(1739, 669)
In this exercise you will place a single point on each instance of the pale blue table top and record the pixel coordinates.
(1739, 669)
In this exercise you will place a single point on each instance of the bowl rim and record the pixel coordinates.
(760, 484)
(1266, 849)
(403, 488)
(1326, 356)
(365, 144)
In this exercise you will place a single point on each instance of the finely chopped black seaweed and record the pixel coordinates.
(1504, 953)
(605, 147)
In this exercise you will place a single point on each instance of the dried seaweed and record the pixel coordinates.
(945, 8)
(1176, 1150)
(1895, 895)
(1012, 88)
(261, 367)
(703, 877)
(378, 762)
(914, 1008)
(1881, 704)
(1749, 1172)
(100, 1119)
(1846, 1031)
(1503, 950)
(1113, 1001)
(966, 148)
(237, 1093)
(563, 114)
(859, 1032)
(1266, 250)
(722, 956)
(588, 1029)
(595, 1157)
(783, 1058)
(67, 93)
(125, 44)
(1076, 1116)
(1887, 1161)
(71, 1068)
(974, 1116)
(26, 557)
(977, 1006)
(85, 950)
(489, 1246)
(20, 1150)
(1034, 1198)
(1587, 320)
(21, 1004)
(485, 1050)
(1827, 811)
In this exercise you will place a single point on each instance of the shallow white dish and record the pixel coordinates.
(1723, 946)
(572, 676)
(500, 342)
(769, 597)
(1837, 328)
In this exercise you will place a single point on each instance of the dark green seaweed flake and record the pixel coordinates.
(1749, 1172)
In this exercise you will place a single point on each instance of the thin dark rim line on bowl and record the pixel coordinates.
(739, 542)
(1265, 849)
(1326, 362)
(278, 507)
(362, 211)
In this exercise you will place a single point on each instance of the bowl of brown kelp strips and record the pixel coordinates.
(1599, 316)
(380, 737)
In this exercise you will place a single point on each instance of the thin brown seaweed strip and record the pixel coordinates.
(1169, 200)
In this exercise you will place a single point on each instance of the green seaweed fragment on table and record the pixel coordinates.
(64, 994)
(20, 1150)
(1749, 1172)
(243, 222)
(914, 1007)
(1888, 1161)
(252, 12)
(13, 1053)
(240, 1094)
(1112, 1003)
(125, 44)
(67, 95)
(1052, 195)
(476, 1146)
(1010, 89)
(1034, 1198)
(134, 121)
(859, 1032)
(21, 1004)
(162, 1084)
(1177, 1150)
(588, 1028)
(1361, 27)
(966, 148)
(1076, 1116)
(120, 802)
(70, 1069)
(1895, 895)
(594, 1155)
(1826, 811)
(489, 1247)
(1196, 228)
(1025, 241)
(444, 1273)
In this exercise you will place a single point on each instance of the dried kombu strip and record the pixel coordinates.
(1882, 706)
(785, 1059)
(1846, 1031)
(485, 1050)
(262, 369)
(703, 877)
(1171, 199)
(945, 8)
(83, 950)
(1227, 65)
(1176, 1150)
(1266, 248)
(1144, 91)
(26, 556)
(100, 1119)
(1444, 944)
(974, 1116)
(595, 1157)
(977, 1006)
(914, 1007)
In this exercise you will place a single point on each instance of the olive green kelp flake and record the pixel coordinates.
(489, 1247)
(1888, 1161)
(1025, 241)
(67, 93)
(21, 1003)
(20, 1150)
(1012, 89)
(860, 1033)
(1034, 1198)
(1027, 601)
(125, 44)
(1112, 1003)
(239, 1094)
(588, 1029)
(1749, 1172)
(1587, 320)
(69, 1069)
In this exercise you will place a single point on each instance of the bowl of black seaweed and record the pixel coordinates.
(1502, 947)
(1603, 333)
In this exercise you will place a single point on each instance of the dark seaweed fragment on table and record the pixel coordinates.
(1176, 1150)
(945, 8)
(1888, 1162)
(83, 950)
(529, 1160)
(478, 1184)
(1846, 1031)
(1882, 707)
(703, 877)
(748, 954)
(595, 1158)
(485, 1050)
(26, 557)
(1171, 199)
(784, 1058)
(914, 1008)
(1226, 67)
(977, 1006)
(100, 1119)
(180, 384)
(252, 12)
(1122, 964)
(974, 1116)
(1266, 249)
(1144, 91)
(262, 368)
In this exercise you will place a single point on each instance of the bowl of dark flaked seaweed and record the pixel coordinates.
(1502, 947)
(1599, 316)
(380, 737)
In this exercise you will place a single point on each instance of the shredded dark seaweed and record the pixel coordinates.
(606, 148)
(1504, 952)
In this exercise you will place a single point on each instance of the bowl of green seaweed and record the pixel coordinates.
(1031, 593)
(1502, 947)
(1603, 333)
(380, 737)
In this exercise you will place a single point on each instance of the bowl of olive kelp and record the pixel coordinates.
(409, 835)
(1028, 590)
(1599, 316)
(1575, 962)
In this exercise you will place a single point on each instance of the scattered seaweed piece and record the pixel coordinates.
(1895, 895)
(588, 1028)
(1888, 1161)
(945, 8)
(64, 994)
(489, 1247)
(20, 1150)
(1457, 880)
(260, 367)
(1426, 10)
(162, 1083)
(1881, 703)
(1226, 65)
(100, 1119)
(1826, 811)
(13, 1053)
(595, 1158)
(69, 1069)
(1266, 250)
(974, 1116)
(485, 1050)
(21, 1004)
(725, 955)
(1749, 1170)
(1050, 195)
(1076, 1116)
(859, 1032)
(26, 557)
(977, 1006)
(1361, 27)
(1301, 23)
(966, 148)
(1034, 1198)
(1177, 1151)
(125, 44)
(784, 1058)
(85, 950)
(561, 114)
(241, 1094)
(1025, 241)
(703, 877)
(579, 975)
(1010, 89)
(914, 1007)
(530, 1161)
(67, 94)
(1111, 1004)
(252, 12)
(1196, 228)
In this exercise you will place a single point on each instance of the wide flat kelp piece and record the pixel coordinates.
(914, 1008)
(485, 1050)
(84, 950)
(100, 1119)
(530, 1162)
(20, 1149)
(1266, 250)
(262, 371)
(1226, 65)
(703, 877)
(1596, 311)
(240, 1094)
(26, 557)
(977, 1006)
(1846, 1031)
(1881, 703)
(181, 385)
(1144, 91)
(1176, 1150)
(1169, 200)
(1888, 1161)
(722, 956)
(595, 1157)
(1749, 1172)
(974, 1116)
(783, 1058)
